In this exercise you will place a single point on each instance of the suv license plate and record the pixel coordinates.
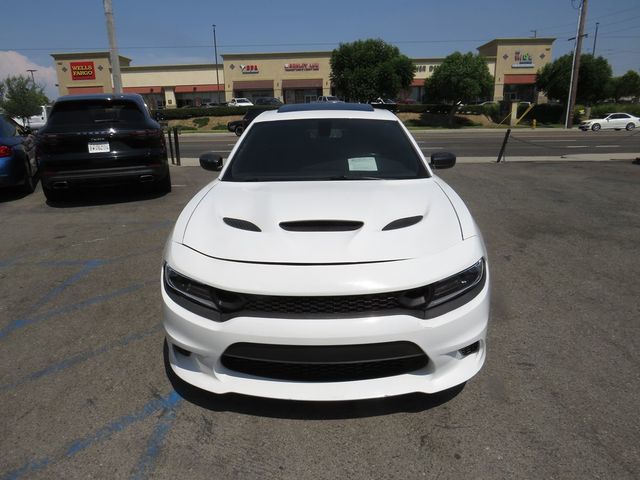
(98, 147)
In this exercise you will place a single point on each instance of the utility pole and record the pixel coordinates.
(576, 66)
(115, 58)
(215, 49)
(594, 40)
(535, 33)
(31, 71)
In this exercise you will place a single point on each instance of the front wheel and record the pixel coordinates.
(239, 129)
(595, 127)
(630, 126)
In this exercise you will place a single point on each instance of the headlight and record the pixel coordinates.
(205, 295)
(456, 285)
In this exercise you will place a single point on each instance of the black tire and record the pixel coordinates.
(595, 127)
(53, 195)
(630, 126)
(29, 181)
(164, 185)
(238, 130)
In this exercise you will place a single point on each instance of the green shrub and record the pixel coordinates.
(600, 110)
(183, 113)
(201, 122)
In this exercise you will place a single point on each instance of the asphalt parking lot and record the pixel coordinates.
(85, 392)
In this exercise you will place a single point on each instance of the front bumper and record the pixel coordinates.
(440, 338)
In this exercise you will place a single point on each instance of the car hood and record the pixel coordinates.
(375, 203)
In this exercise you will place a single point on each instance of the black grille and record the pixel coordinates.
(323, 305)
(325, 364)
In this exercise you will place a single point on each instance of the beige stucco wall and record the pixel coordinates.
(171, 75)
(102, 70)
(271, 66)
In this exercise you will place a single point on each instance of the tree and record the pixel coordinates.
(460, 78)
(628, 85)
(368, 69)
(593, 79)
(20, 97)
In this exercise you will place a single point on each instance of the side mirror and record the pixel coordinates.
(211, 161)
(441, 160)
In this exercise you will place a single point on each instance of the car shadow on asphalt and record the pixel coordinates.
(12, 194)
(104, 196)
(306, 410)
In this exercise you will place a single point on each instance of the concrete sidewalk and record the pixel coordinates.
(585, 157)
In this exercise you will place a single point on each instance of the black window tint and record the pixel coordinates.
(325, 149)
(96, 112)
(7, 127)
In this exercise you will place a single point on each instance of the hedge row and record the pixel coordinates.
(600, 110)
(183, 113)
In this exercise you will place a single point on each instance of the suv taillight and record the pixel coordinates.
(5, 151)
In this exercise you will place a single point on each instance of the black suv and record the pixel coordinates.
(102, 139)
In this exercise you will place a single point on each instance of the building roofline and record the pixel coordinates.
(67, 55)
(537, 40)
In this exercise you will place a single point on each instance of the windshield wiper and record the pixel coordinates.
(350, 177)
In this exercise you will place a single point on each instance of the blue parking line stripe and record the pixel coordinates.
(167, 402)
(23, 322)
(79, 358)
(89, 265)
(148, 459)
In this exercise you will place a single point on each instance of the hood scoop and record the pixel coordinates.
(403, 223)
(321, 225)
(241, 224)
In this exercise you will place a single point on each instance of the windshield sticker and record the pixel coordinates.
(363, 164)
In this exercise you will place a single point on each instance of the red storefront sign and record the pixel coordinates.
(82, 71)
(249, 69)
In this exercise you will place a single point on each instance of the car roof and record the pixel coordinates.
(101, 96)
(299, 111)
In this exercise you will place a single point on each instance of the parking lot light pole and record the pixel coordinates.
(215, 49)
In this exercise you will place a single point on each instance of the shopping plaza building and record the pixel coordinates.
(293, 77)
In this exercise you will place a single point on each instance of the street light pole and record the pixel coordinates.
(215, 49)
(575, 69)
(115, 58)
(31, 71)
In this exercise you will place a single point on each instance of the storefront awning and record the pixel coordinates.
(253, 85)
(199, 88)
(417, 82)
(142, 90)
(306, 83)
(84, 90)
(520, 79)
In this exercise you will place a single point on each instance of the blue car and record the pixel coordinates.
(18, 167)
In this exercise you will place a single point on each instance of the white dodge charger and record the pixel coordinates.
(326, 262)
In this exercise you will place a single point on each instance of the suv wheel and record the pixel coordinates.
(164, 185)
(239, 129)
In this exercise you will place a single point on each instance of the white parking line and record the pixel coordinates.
(577, 146)
(603, 146)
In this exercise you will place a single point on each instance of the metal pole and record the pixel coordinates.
(170, 145)
(115, 58)
(595, 37)
(176, 143)
(576, 66)
(33, 80)
(504, 145)
(215, 49)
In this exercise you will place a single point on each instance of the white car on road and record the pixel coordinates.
(326, 262)
(617, 121)
(240, 102)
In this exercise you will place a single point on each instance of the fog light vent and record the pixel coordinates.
(181, 351)
(469, 349)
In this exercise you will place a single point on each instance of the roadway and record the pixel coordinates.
(473, 142)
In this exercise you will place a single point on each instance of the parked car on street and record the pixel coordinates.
(267, 101)
(18, 166)
(385, 103)
(616, 121)
(326, 262)
(37, 121)
(328, 99)
(239, 126)
(101, 139)
(240, 102)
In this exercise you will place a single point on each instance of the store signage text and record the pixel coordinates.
(523, 60)
(301, 67)
(249, 69)
(82, 71)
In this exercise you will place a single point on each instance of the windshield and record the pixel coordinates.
(325, 149)
(95, 112)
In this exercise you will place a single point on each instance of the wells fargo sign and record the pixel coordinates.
(83, 71)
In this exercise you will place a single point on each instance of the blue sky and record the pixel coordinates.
(168, 32)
